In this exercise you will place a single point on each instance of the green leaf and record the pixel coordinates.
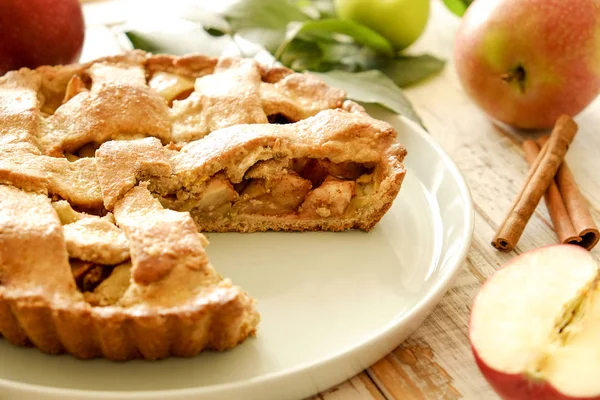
(262, 13)
(458, 7)
(331, 26)
(324, 55)
(409, 70)
(302, 55)
(210, 21)
(268, 37)
(371, 87)
(184, 37)
(262, 21)
(317, 9)
(348, 56)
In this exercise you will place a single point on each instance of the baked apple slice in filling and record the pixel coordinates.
(337, 170)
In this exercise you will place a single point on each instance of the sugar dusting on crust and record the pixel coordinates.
(170, 301)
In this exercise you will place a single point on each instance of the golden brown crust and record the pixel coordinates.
(299, 96)
(192, 66)
(104, 113)
(40, 305)
(273, 74)
(336, 135)
(227, 97)
(200, 136)
(123, 163)
(96, 240)
(333, 134)
(181, 246)
(73, 181)
(33, 253)
(219, 324)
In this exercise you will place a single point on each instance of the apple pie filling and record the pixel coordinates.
(86, 151)
(98, 253)
(101, 285)
(89, 275)
(305, 188)
(171, 87)
(291, 188)
(56, 91)
(279, 119)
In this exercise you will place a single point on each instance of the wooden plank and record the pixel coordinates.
(360, 387)
(411, 372)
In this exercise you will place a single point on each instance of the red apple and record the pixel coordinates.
(526, 62)
(535, 326)
(40, 32)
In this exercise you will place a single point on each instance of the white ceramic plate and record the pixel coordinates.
(331, 303)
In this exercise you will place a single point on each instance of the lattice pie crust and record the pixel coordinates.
(110, 171)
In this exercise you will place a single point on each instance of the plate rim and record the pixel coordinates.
(422, 309)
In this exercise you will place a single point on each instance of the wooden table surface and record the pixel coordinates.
(436, 362)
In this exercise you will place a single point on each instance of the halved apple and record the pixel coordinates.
(535, 326)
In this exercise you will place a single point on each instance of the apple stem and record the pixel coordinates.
(517, 75)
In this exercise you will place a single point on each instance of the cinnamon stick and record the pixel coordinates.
(540, 176)
(578, 215)
(554, 202)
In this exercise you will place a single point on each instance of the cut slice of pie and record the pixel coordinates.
(110, 171)
(163, 299)
(333, 171)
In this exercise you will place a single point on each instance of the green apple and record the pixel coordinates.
(399, 21)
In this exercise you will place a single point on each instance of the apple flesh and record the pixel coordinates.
(535, 326)
(526, 62)
(40, 32)
(400, 21)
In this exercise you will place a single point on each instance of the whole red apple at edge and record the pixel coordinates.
(40, 32)
(535, 324)
(526, 62)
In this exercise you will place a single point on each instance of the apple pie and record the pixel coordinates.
(110, 172)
